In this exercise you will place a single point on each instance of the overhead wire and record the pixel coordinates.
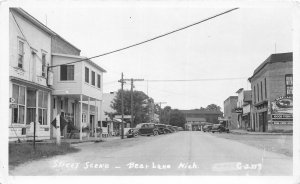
(151, 39)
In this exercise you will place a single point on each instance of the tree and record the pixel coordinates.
(177, 118)
(165, 115)
(213, 107)
(141, 105)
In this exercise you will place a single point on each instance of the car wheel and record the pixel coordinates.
(213, 132)
(155, 133)
(136, 134)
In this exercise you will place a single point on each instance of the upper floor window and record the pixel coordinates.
(93, 78)
(261, 90)
(289, 85)
(44, 68)
(21, 54)
(87, 75)
(254, 94)
(257, 92)
(98, 80)
(66, 72)
(266, 96)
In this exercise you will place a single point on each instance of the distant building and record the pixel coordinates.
(243, 108)
(195, 118)
(230, 115)
(272, 94)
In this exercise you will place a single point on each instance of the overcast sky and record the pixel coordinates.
(229, 46)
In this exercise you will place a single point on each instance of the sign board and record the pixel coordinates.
(50, 78)
(120, 116)
(12, 100)
(282, 110)
(238, 110)
(13, 105)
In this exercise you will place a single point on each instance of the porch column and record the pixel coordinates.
(80, 123)
(101, 117)
(37, 106)
(96, 119)
(88, 114)
(49, 111)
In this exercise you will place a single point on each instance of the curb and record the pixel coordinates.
(248, 133)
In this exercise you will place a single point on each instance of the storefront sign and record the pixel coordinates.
(238, 110)
(12, 105)
(282, 110)
(12, 100)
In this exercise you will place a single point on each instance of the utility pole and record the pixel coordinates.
(122, 106)
(131, 109)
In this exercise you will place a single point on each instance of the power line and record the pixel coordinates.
(151, 39)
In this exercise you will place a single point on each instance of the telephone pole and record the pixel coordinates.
(122, 105)
(132, 86)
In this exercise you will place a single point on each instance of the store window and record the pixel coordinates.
(289, 85)
(93, 78)
(87, 75)
(42, 107)
(18, 112)
(67, 72)
(31, 106)
(21, 54)
(84, 118)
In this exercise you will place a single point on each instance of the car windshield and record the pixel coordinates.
(138, 125)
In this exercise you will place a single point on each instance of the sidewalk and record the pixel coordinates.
(77, 141)
(239, 131)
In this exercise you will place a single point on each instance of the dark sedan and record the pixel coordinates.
(219, 128)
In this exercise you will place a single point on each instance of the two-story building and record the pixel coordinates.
(29, 56)
(230, 114)
(272, 94)
(78, 89)
(243, 108)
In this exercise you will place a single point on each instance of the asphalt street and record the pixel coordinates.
(180, 153)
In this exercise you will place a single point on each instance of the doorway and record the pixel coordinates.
(92, 124)
(263, 121)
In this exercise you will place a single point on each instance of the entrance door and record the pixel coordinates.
(92, 124)
(265, 122)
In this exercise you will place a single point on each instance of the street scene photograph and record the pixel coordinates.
(147, 88)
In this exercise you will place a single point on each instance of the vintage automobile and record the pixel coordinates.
(162, 129)
(147, 129)
(171, 128)
(207, 128)
(219, 128)
(131, 132)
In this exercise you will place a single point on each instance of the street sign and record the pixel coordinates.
(120, 116)
(13, 105)
(11, 100)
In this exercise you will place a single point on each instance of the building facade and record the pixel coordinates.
(77, 92)
(272, 94)
(196, 118)
(29, 56)
(243, 109)
(230, 114)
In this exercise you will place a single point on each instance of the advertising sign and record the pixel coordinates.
(282, 110)
(238, 110)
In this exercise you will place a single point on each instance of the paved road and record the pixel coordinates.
(181, 153)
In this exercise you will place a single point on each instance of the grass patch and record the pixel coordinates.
(21, 153)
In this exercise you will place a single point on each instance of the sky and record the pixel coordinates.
(229, 46)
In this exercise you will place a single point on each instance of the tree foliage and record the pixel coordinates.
(177, 118)
(213, 107)
(141, 105)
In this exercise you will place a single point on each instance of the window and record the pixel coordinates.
(261, 90)
(87, 75)
(18, 112)
(42, 107)
(66, 72)
(98, 80)
(289, 85)
(44, 68)
(21, 54)
(93, 78)
(266, 96)
(254, 95)
(84, 118)
(61, 105)
(31, 106)
(257, 92)
(53, 103)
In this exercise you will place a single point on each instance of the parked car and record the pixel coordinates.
(147, 129)
(219, 128)
(171, 128)
(180, 129)
(132, 132)
(162, 128)
(207, 128)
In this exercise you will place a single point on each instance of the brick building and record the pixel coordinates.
(272, 94)
(230, 105)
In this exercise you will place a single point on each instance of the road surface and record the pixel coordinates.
(180, 153)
